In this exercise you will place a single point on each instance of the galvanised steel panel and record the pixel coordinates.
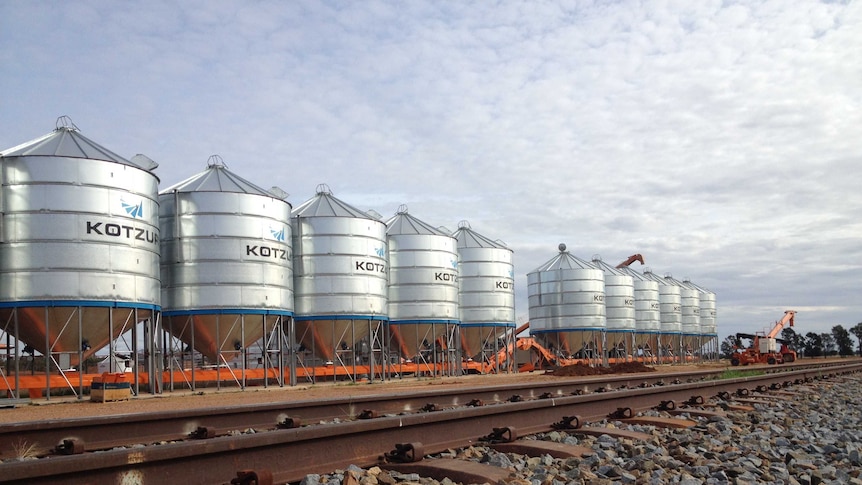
(670, 304)
(708, 314)
(706, 301)
(566, 298)
(351, 264)
(619, 297)
(244, 256)
(236, 274)
(54, 171)
(499, 316)
(486, 282)
(77, 285)
(423, 282)
(347, 285)
(46, 234)
(647, 305)
(620, 302)
(690, 305)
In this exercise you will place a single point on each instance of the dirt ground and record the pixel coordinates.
(585, 370)
(71, 407)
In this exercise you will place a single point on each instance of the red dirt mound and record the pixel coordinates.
(581, 369)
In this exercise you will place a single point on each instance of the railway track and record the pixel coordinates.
(283, 442)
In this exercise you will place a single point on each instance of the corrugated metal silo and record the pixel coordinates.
(423, 291)
(647, 314)
(567, 306)
(708, 326)
(79, 244)
(690, 321)
(487, 293)
(340, 275)
(226, 262)
(670, 303)
(619, 310)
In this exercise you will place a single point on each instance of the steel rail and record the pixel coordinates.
(178, 425)
(89, 434)
(290, 454)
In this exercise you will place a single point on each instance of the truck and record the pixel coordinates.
(766, 348)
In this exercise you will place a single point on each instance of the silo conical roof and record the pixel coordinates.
(608, 269)
(324, 204)
(468, 238)
(564, 260)
(67, 141)
(217, 178)
(403, 223)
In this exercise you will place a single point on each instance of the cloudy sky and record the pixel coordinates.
(719, 139)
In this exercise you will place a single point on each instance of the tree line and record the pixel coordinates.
(835, 343)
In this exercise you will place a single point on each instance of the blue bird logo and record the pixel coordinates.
(380, 251)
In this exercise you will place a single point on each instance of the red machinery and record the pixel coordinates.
(630, 260)
(766, 348)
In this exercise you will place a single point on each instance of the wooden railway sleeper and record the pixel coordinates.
(502, 435)
(621, 413)
(253, 477)
(71, 446)
(406, 453)
(568, 422)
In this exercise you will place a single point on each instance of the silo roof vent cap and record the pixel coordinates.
(216, 161)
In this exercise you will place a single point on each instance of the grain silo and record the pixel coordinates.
(567, 306)
(708, 325)
(647, 315)
(79, 247)
(487, 297)
(226, 269)
(670, 306)
(423, 294)
(340, 277)
(690, 317)
(619, 310)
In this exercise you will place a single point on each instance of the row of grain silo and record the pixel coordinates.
(219, 267)
(594, 311)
